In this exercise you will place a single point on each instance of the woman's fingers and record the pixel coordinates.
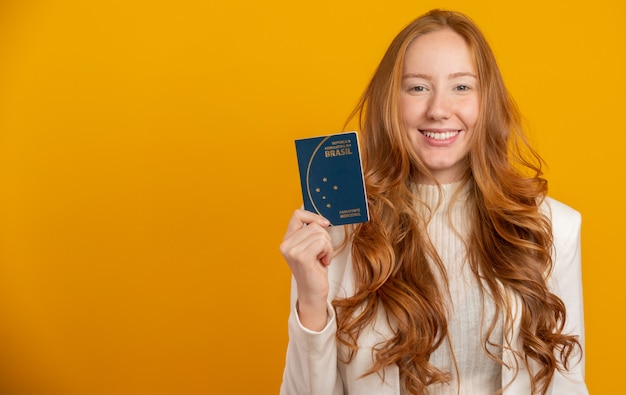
(306, 238)
(301, 218)
(307, 245)
(307, 248)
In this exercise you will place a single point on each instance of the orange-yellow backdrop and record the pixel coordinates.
(147, 172)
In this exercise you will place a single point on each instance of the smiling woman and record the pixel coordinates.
(439, 102)
(467, 278)
(147, 169)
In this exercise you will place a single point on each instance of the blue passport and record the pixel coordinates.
(331, 177)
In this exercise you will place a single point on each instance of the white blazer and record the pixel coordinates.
(313, 368)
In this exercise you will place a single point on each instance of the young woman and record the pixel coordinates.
(467, 278)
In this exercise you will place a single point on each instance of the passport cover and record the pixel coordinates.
(331, 177)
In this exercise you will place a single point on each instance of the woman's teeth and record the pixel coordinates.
(440, 135)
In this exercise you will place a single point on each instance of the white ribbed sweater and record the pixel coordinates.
(470, 310)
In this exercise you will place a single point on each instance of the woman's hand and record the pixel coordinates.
(308, 249)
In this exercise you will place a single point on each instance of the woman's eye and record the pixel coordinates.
(418, 88)
(462, 88)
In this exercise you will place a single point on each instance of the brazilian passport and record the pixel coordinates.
(331, 176)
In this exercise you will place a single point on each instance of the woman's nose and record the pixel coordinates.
(438, 106)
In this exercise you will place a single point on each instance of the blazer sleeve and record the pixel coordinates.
(311, 362)
(566, 282)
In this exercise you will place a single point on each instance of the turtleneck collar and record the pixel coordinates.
(432, 194)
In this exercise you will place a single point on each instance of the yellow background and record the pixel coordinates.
(147, 172)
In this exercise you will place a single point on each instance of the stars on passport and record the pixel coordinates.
(323, 196)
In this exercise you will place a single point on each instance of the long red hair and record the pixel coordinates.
(510, 239)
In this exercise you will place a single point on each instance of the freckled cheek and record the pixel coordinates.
(469, 115)
(472, 112)
(409, 113)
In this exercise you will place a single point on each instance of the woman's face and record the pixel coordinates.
(439, 102)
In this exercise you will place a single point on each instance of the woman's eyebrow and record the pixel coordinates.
(462, 74)
(417, 75)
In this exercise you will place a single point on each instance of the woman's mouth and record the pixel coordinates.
(440, 135)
